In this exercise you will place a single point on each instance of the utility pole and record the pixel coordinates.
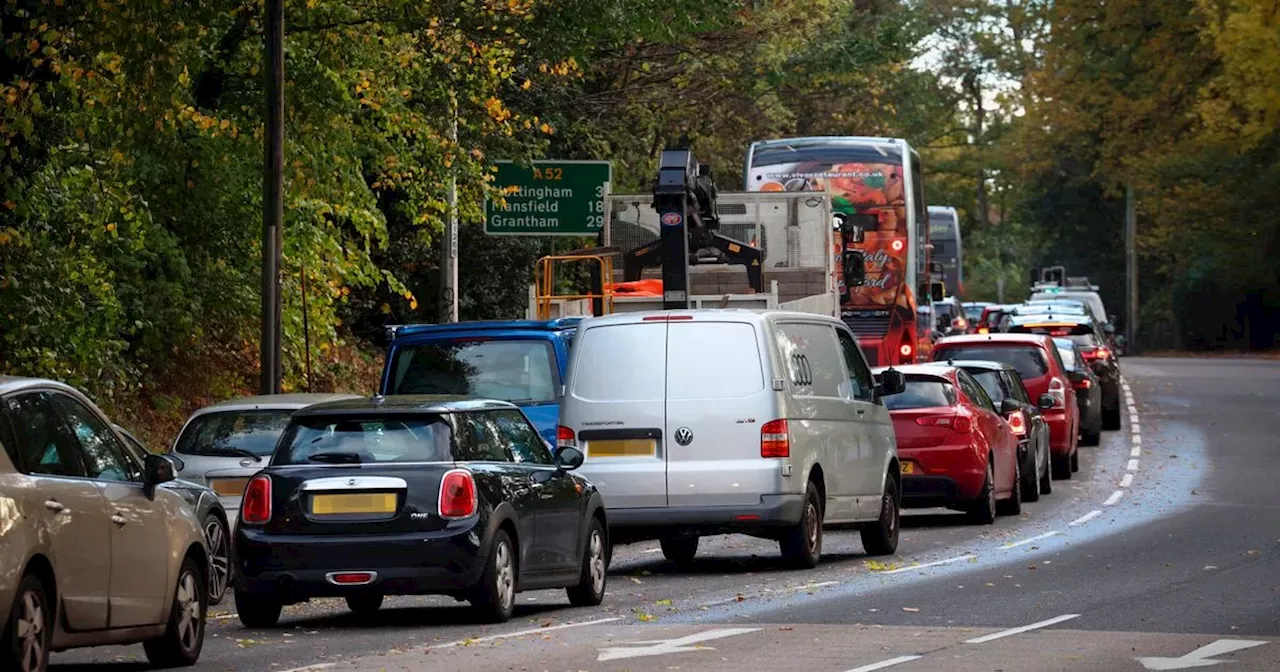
(1131, 268)
(273, 199)
(449, 246)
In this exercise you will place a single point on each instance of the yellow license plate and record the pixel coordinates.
(329, 505)
(623, 448)
(228, 487)
(908, 468)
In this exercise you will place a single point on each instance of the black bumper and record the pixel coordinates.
(772, 513)
(294, 567)
(925, 492)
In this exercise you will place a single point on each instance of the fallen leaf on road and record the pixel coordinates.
(740, 597)
(910, 609)
(786, 628)
(647, 617)
(634, 579)
(1031, 566)
(877, 566)
(663, 603)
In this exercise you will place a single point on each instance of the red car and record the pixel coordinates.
(955, 447)
(1038, 363)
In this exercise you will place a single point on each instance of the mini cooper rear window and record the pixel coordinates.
(361, 440)
(922, 392)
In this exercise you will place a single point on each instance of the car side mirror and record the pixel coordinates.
(1046, 402)
(1009, 406)
(178, 464)
(569, 458)
(156, 469)
(891, 382)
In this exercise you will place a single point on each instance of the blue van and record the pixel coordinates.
(521, 361)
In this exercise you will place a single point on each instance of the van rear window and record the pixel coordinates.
(713, 360)
(1027, 360)
(621, 362)
(516, 370)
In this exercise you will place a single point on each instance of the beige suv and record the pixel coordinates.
(94, 552)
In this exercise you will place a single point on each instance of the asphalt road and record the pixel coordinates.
(1168, 539)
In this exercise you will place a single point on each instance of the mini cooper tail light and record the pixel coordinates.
(1018, 423)
(457, 494)
(255, 506)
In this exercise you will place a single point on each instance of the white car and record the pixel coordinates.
(705, 422)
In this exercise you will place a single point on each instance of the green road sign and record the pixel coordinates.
(554, 198)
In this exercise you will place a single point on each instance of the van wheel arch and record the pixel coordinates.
(895, 472)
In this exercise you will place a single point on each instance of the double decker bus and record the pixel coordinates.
(877, 191)
(944, 234)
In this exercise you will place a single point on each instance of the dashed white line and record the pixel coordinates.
(1137, 440)
(311, 668)
(522, 633)
(1133, 410)
(807, 586)
(930, 564)
(885, 663)
(1133, 465)
(1126, 481)
(1114, 498)
(1019, 630)
(1136, 452)
(1133, 418)
(1086, 517)
(1032, 540)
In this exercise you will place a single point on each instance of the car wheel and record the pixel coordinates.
(983, 509)
(1075, 460)
(183, 636)
(881, 537)
(1030, 486)
(1111, 416)
(495, 597)
(1013, 505)
(364, 605)
(679, 549)
(1046, 479)
(257, 611)
(801, 545)
(1061, 466)
(215, 535)
(590, 589)
(26, 637)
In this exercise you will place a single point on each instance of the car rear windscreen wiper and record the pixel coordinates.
(335, 458)
(238, 452)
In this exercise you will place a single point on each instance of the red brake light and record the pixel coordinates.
(983, 330)
(960, 423)
(905, 350)
(255, 506)
(565, 437)
(775, 440)
(1084, 384)
(352, 578)
(1102, 353)
(457, 494)
(1018, 423)
(666, 318)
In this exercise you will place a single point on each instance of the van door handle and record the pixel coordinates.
(54, 505)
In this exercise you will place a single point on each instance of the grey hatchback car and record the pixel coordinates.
(94, 551)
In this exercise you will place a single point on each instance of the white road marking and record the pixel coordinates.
(1034, 539)
(1137, 439)
(1086, 517)
(1133, 418)
(1133, 410)
(522, 633)
(885, 663)
(662, 647)
(1136, 451)
(930, 564)
(311, 668)
(1019, 630)
(808, 586)
(1126, 481)
(652, 550)
(1201, 656)
(1114, 498)
(223, 617)
(1133, 465)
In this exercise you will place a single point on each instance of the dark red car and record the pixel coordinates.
(1036, 359)
(955, 447)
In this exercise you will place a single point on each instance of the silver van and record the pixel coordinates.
(702, 422)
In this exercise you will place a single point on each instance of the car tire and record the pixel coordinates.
(495, 597)
(1046, 480)
(1075, 460)
(27, 630)
(983, 509)
(595, 568)
(364, 605)
(1092, 437)
(1030, 479)
(1061, 467)
(881, 537)
(219, 542)
(257, 611)
(183, 637)
(801, 545)
(679, 549)
(1111, 416)
(1013, 505)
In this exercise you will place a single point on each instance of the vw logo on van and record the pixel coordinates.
(684, 436)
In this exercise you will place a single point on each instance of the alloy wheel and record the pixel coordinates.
(596, 562)
(188, 612)
(811, 526)
(30, 632)
(219, 565)
(505, 575)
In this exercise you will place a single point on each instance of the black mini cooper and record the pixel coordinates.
(416, 495)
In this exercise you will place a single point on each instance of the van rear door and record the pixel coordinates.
(718, 399)
(616, 408)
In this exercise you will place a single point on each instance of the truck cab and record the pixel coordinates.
(520, 361)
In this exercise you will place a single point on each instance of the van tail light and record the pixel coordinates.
(1058, 390)
(775, 439)
(565, 438)
(961, 424)
(1018, 423)
(255, 506)
(457, 494)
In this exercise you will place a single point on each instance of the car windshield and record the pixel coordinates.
(922, 392)
(234, 433)
(519, 371)
(359, 440)
(1027, 360)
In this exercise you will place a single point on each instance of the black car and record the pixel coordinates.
(1088, 390)
(1026, 419)
(416, 495)
(1087, 333)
